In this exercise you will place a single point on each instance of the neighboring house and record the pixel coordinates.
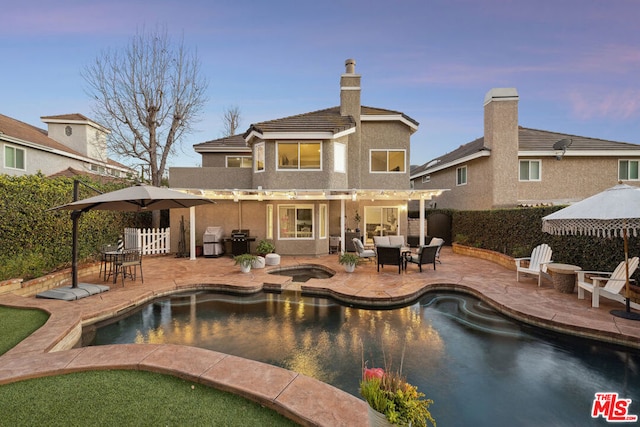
(299, 179)
(71, 143)
(516, 166)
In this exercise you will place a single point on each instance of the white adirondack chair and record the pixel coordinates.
(615, 283)
(540, 257)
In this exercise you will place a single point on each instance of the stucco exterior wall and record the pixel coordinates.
(40, 161)
(475, 194)
(219, 160)
(384, 135)
(210, 177)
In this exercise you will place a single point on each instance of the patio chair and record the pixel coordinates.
(615, 283)
(390, 255)
(540, 257)
(361, 251)
(127, 265)
(106, 260)
(426, 255)
(439, 242)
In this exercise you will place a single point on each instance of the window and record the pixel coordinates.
(295, 222)
(323, 222)
(299, 155)
(381, 221)
(259, 157)
(529, 170)
(387, 161)
(628, 170)
(269, 234)
(461, 176)
(339, 157)
(14, 157)
(238, 161)
(426, 178)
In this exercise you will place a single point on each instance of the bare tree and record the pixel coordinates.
(231, 120)
(149, 94)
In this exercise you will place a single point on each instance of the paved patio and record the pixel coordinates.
(310, 402)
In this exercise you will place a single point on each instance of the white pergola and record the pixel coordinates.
(259, 194)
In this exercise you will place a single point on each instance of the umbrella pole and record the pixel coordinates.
(627, 314)
(75, 216)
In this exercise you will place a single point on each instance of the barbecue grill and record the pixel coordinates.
(240, 242)
(212, 242)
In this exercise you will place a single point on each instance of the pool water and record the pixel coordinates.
(479, 367)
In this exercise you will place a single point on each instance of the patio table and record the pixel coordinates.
(563, 276)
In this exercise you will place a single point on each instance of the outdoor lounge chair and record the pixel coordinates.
(361, 251)
(540, 257)
(437, 241)
(426, 255)
(615, 283)
(390, 255)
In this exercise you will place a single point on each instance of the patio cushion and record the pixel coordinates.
(381, 240)
(396, 241)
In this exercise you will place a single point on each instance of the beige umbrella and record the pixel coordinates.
(138, 198)
(611, 213)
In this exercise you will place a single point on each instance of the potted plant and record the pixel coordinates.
(349, 260)
(356, 218)
(393, 401)
(265, 247)
(244, 261)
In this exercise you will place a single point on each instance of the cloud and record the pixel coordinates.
(619, 104)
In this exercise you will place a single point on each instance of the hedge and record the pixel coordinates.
(36, 240)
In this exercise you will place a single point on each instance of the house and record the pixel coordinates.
(71, 145)
(516, 166)
(340, 171)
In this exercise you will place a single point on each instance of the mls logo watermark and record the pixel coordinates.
(613, 409)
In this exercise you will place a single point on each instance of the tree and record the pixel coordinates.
(231, 120)
(149, 94)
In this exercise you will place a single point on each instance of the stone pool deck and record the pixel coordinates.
(49, 351)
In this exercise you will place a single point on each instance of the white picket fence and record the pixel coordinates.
(150, 240)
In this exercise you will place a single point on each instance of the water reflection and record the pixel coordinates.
(480, 368)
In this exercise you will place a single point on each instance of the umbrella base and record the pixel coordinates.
(626, 314)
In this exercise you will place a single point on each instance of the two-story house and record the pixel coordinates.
(516, 166)
(72, 144)
(298, 180)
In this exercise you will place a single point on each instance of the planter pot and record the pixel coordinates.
(349, 268)
(376, 419)
(245, 268)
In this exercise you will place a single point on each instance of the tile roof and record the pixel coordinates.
(328, 120)
(228, 143)
(530, 140)
(73, 116)
(25, 132)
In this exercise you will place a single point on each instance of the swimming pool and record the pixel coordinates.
(479, 367)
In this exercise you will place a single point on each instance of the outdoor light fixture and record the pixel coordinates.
(563, 144)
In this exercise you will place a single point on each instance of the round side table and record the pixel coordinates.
(563, 276)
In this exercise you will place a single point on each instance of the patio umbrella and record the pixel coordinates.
(615, 212)
(138, 198)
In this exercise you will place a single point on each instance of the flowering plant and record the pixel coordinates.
(390, 394)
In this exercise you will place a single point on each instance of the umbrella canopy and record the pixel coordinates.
(606, 214)
(137, 198)
(613, 212)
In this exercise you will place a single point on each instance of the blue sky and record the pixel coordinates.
(575, 63)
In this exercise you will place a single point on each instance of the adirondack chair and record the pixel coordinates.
(615, 283)
(540, 257)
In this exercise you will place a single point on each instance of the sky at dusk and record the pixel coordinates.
(575, 63)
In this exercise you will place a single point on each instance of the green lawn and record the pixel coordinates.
(118, 397)
(16, 324)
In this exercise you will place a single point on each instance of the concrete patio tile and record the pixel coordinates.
(121, 356)
(185, 362)
(36, 365)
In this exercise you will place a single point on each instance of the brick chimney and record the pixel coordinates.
(350, 106)
(501, 137)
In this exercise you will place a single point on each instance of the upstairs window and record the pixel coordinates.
(14, 157)
(258, 165)
(383, 161)
(628, 170)
(461, 176)
(238, 161)
(299, 155)
(529, 170)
